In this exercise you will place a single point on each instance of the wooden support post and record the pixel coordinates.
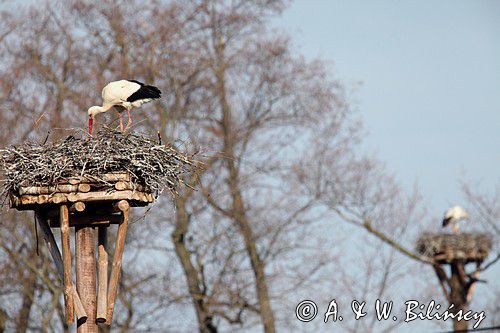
(48, 236)
(102, 290)
(86, 276)
(457, 288)
(458, 295)
(66, 251)
(124, 206)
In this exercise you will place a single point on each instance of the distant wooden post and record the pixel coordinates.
(86, 276)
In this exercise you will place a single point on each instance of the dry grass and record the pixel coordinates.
(155, 166)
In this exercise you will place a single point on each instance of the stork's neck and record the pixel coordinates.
(95, 110)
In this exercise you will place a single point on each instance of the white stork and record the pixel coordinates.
(123, 95)
(453, 216)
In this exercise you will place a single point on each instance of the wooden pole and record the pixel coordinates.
(124, 206)
(458, 292)
(102, 290)
(48, 236)
(66, 251)
(86, 276)
(458, 295)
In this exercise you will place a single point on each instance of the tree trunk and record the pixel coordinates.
(205, 319)
(458, 295)
(29, 287)
(3, 320)
(238, 208)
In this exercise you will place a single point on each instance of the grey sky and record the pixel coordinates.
(430, 73)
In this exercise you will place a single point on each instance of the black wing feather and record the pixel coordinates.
(144, 92)
(446, 221)
(138, 82)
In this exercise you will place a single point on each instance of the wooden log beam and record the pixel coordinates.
(83, 187)
(77, 207)
(74, 197)
(36, 190)
(66, 251)
(123, 205)
(99, 219)
(108, 177)
(120, 186)
(106, 195)
(61, 188)
(102, 290)
(48, 236)
(117, 260)
(86, 276)
(33, 202)
(90, 221)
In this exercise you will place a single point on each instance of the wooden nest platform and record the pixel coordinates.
(80, 191)
(449, 248)
(89, 203)
(89, 206)
(89, 183)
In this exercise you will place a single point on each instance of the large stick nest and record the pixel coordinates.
(151, 164)
(470, 247)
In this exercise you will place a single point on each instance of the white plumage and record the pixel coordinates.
(123, 95)
(453, 216)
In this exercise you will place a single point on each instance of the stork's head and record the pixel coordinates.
(92, 112)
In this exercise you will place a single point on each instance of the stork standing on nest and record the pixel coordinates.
(123, 95)
(453, 216)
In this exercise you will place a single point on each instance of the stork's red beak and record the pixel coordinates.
(91, 122)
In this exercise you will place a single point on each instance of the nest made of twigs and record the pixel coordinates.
(150, 164)
(469, 247)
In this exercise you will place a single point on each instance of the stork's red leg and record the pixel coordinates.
(129, 120)
(121, 121)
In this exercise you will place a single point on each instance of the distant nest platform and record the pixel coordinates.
(110, 165)
(447, 248)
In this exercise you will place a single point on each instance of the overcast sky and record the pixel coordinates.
(430, 92)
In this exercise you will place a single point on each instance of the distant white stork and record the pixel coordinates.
(453, 216)
(123, 95)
